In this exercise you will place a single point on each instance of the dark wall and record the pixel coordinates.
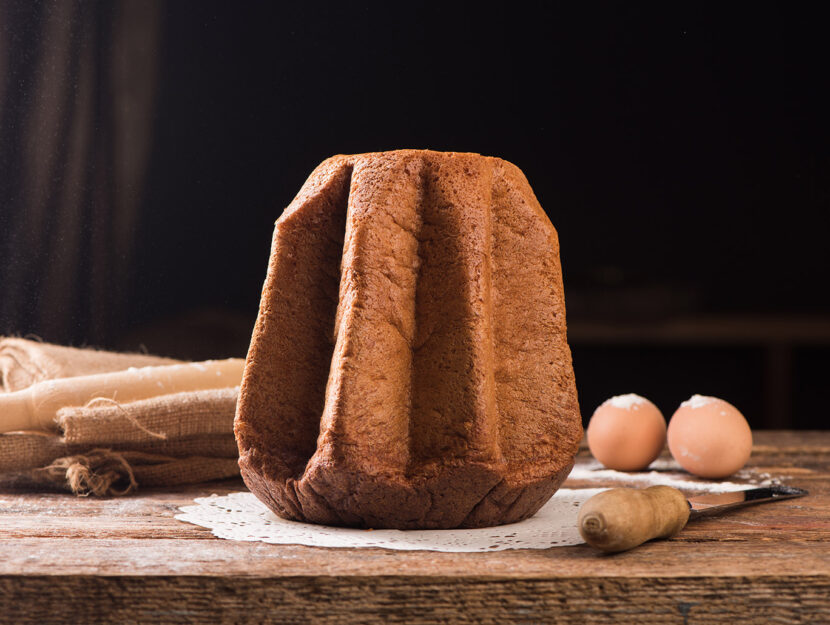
(674, 142)
(681, 150)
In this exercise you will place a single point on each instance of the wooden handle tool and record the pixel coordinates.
(623, 518)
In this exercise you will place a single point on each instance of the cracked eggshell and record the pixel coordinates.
(709, 437)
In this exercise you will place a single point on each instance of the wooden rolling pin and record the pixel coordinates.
(36, 407)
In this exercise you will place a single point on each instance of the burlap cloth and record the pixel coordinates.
(110, 448)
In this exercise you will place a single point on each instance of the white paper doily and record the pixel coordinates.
(241, 516)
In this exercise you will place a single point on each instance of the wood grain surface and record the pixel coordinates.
(82, 560)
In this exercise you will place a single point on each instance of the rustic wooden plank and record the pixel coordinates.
(791, 520)
(812, 442)
(794, 442)
(211, 557)
(150, 515)
(391, 600)
(68, 559)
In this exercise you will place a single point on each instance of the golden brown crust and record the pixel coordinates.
(409, 367)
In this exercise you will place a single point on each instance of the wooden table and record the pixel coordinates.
(74, 560)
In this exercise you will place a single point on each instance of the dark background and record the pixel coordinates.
(680, 149)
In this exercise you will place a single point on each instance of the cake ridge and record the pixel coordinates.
(461, 421)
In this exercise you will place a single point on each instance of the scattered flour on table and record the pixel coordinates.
(665, 473)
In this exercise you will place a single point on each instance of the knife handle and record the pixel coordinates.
(622, 518)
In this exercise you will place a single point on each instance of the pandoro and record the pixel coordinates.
(409, 366)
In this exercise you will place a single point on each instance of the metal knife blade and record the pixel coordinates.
(711, 504)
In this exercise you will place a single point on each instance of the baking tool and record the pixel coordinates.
(36, 407)
(623, 518)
